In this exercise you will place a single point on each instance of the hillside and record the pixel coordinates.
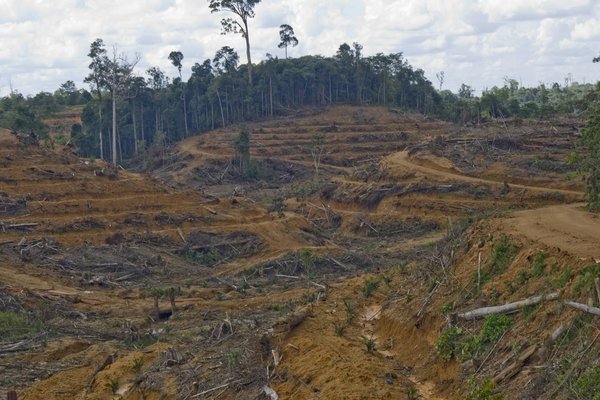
(341, 285)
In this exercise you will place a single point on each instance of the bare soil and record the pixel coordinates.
(330, 286)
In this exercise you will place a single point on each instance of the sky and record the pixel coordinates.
(44, 43)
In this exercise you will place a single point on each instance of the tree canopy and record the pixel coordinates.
(243, 11)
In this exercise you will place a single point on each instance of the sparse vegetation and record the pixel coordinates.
(482, 389)
(369, 287)
(449, 343)
(137, 364)
(502, 255)
(370, 344)
(15, 326)
(494, 326)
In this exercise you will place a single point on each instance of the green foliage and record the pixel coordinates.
(242, 151)
(307, 258)
(113, 384)
(232, 359)
(587, 385)
(339, 328)
(137, 364)
(19, 114)
(482, 389)
(502, 254)
(207, 258)
(492, 329)
(370, 344)
(281, 308)
(369, 287)
(412, 393)
(589, 163)
(351, 312)
(14, 327)
(449, 343)
(584, 281)
(538, 265)
(564, 278)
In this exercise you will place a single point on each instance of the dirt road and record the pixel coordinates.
(402, 158)
(568, 227)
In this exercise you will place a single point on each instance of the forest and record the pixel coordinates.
(125, 112)
(149, 110)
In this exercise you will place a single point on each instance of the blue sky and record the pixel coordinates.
(479, 42)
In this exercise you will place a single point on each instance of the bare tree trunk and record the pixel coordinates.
(271, 94)
(507, 308)
(142, 118)
(247, 37)
(172, 300)
(114, 127)
(221, 107)
(135, 138)
(187, 132)
(100, 132)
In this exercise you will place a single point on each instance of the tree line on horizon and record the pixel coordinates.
(124, 114)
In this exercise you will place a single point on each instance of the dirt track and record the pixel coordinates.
(402, 158)
(567, 227)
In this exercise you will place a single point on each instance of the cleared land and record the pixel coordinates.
(336, 286)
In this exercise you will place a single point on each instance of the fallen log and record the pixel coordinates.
(583, 307)
(510, 307)
(516, 366)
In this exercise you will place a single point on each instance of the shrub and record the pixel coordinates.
(370, 287)
(493, 327)
(482, 390)
(539, 265)
(449, 343)
(588, 384)
(15, 326)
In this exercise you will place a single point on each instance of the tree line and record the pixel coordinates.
(124, 114)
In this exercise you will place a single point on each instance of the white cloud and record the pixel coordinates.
(475, 41)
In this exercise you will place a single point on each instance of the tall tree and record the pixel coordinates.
(176, 57)
(118, 81)
(286, 34)
(96, 79)
(243, 10)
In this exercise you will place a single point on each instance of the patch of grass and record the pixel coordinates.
(448, 308)
(412, 393)
(232, 359)
(587, 385)
(370, 287)
(449, 343)
(113, 384)
(14, 327)
(350, 311)
(280, 308)
(371, 345)
(522, 277)
(538, 265)
(510, 288)
(208, 258)
(492, 329)
(584, 281)
(564, 278)
(141, 341)
(502, 254)
(137, 364)
(482, 389)
(339, 327)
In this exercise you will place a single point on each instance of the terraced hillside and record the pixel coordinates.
(196, 279)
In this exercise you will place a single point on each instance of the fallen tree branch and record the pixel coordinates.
(210, 390)
(583, 307)
(510, 307)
